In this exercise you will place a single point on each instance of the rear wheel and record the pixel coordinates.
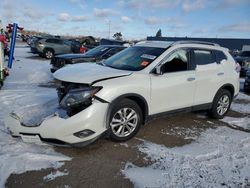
(221, 104)
(48, 53)
(125, 120)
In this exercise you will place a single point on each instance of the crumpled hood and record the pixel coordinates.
(88, 73)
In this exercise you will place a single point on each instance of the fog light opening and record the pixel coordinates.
(83, 134)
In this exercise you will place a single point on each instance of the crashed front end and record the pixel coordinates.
(73, 123)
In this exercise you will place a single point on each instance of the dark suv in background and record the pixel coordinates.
(244, 60)
(48, 47)
(94, 55)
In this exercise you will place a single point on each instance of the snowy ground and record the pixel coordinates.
(22, 95)
(208, 157)
(218, 157)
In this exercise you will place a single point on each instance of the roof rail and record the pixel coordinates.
(195, 42)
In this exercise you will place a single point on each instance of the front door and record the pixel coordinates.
(174, 88)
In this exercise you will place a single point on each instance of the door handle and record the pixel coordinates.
(220, 74)
(191, 79)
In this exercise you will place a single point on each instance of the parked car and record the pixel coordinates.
(247, 82)
(33, 43)
(244, 60)
(48, 47)
(94, 55)
(148, 80)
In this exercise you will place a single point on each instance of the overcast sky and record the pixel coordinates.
(136, 19)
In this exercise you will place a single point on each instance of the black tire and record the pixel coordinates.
(48, 53)
(41, 55)
(214, 111)
(132, 107)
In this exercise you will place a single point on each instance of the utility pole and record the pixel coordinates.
(109, 27)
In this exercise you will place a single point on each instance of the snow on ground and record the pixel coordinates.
(218, 158)
(22, 95)
(242, 107)
(184, 132)
(54, 175)
(243, 122)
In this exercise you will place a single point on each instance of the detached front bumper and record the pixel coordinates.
(58, 131)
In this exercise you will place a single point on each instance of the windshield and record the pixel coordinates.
(245, 54)
(97, 51)
(134, 58)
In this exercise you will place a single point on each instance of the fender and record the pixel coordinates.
(131, 96)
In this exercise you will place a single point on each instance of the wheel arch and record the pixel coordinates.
(138, 99)
(228, 87)
(48, 48)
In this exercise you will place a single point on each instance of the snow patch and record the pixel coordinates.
(241, 108)
(219, 157)
(243, 122)
(54, 175)
(184, 132)
(22, 95)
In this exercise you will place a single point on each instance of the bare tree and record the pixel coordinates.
(117, 36)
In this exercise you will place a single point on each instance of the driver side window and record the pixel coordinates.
(177, 61)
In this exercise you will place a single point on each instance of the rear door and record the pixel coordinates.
(209, 75)
(175, 88)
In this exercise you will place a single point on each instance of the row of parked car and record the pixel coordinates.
(112, 90)
(243, 58)
(48, 47)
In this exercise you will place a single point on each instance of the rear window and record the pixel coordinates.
(203, 57)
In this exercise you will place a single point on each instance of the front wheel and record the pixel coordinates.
(48, 53)
(125, 120)
(221, 104)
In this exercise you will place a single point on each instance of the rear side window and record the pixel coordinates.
(220, 56)
(203, 57)
(55, 41)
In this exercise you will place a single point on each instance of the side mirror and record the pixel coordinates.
(159, 70)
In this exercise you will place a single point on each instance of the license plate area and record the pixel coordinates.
(32, 139)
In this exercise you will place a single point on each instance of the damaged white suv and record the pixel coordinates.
(147, 80)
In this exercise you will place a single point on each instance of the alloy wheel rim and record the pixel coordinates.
(49, 54)
(223, 104)
(124, 122)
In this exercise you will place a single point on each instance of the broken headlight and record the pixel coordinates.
(76, 98)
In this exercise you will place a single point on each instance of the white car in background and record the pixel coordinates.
(148, 80)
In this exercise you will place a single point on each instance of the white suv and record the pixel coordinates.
(147, 80)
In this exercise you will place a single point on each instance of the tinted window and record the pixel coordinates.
(50, 40)
(134, 58)
(55, 41)
(245, 54)
(220, 56)
(177, 61)
(203, 57)
(114, 51)
(97, 51)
